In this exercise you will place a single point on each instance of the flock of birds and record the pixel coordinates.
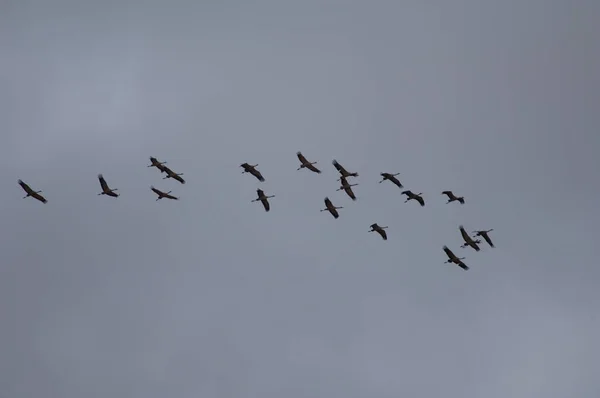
(346, 186)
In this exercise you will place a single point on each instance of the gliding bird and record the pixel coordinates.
(264, 199)
(347, 187)
(162, 194)
(155, 163)
(414, 196)
(454, 198)
(248, 168)
(105, 189)
(331, 208)
(468, 240)
(31, 192)
(342, 170)
(306, 163)
(453, 259)
(485, 236)
(392, 178)
(380, 230)
(173, 175)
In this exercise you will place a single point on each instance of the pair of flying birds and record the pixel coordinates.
(452, 258)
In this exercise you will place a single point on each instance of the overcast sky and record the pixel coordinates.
(212, 297)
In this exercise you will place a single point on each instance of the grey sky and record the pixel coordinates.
(211, 296)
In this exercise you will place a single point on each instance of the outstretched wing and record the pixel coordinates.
(178, 178)
(339, 167)
(464, 234)
(448, 194)
(382, 233)
(420, 200)
(25, 187)
(350, 193)
(39, 197)
(301, 158)
(462, 265)
(487, 239)
(103, 183)
(257, 174)
(311, 167)
(266, 204)
(395, 181)
(449, 253)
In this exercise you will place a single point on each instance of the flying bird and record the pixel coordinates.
(414, 196)
(248, 168)
(306, 164)
(162, 194)
(105, 189)
(392, 178)
(484, 235)
(331, 208)
(347, 187)
(453, 259)
(264, 199)
(454, 198)
(31, 192)
(155, 163)
(468, 240)
(380, 230)
(342, 170)
(173, 175)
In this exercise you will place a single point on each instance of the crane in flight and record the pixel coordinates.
(453, 259)
(251, 169)
(391, 177)
(31, 193)
(331, 208)
(304, 163)
(264, 199)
